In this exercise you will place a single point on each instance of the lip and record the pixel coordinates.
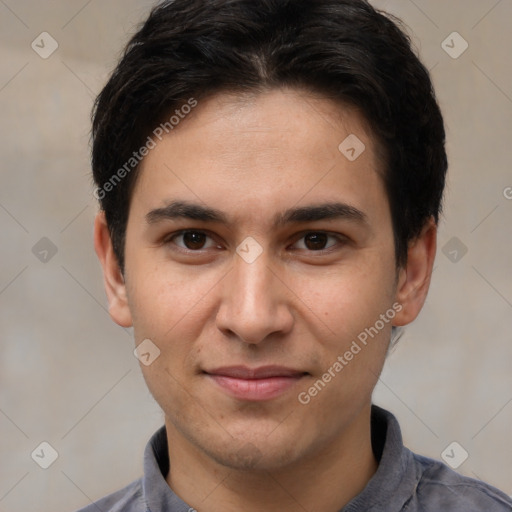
(255, 384)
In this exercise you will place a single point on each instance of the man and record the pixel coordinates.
(270, 175)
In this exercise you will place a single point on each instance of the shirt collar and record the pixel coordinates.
(396, 477)
(157, 495)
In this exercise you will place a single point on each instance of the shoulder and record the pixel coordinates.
(441, 488)
(128, 499)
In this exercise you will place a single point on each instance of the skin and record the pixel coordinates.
(253, 157)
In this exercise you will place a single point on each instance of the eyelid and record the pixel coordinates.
(342, 239)
(169, 239)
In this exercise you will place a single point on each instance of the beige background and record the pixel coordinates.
(67, 373)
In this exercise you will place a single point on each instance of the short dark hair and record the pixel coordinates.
(344, 50)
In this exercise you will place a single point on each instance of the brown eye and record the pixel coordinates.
(194, 240)
(316, 241)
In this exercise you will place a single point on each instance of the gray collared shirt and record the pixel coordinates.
(403, 482)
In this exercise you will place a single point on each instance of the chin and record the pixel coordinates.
(251, 457)
(263, 449)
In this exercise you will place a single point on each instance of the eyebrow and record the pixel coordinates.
(303, 214)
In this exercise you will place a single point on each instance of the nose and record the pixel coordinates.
(255, 302)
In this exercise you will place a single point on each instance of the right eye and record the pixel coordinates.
(191, 240)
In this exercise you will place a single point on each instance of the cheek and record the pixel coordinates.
(167, 304)
(347, 300)
(353, 352)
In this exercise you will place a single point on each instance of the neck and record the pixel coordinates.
(326, 480)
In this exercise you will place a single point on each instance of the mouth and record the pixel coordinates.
(255, 384)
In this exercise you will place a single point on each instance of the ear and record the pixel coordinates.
(414, 277)
(112, 277)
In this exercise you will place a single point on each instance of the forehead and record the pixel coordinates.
(263, 152)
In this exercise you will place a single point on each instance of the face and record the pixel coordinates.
(258, 255)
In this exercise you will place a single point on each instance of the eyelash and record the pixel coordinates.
(341, 240)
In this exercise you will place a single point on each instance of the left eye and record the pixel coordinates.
(316, 241)
(192, 240)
